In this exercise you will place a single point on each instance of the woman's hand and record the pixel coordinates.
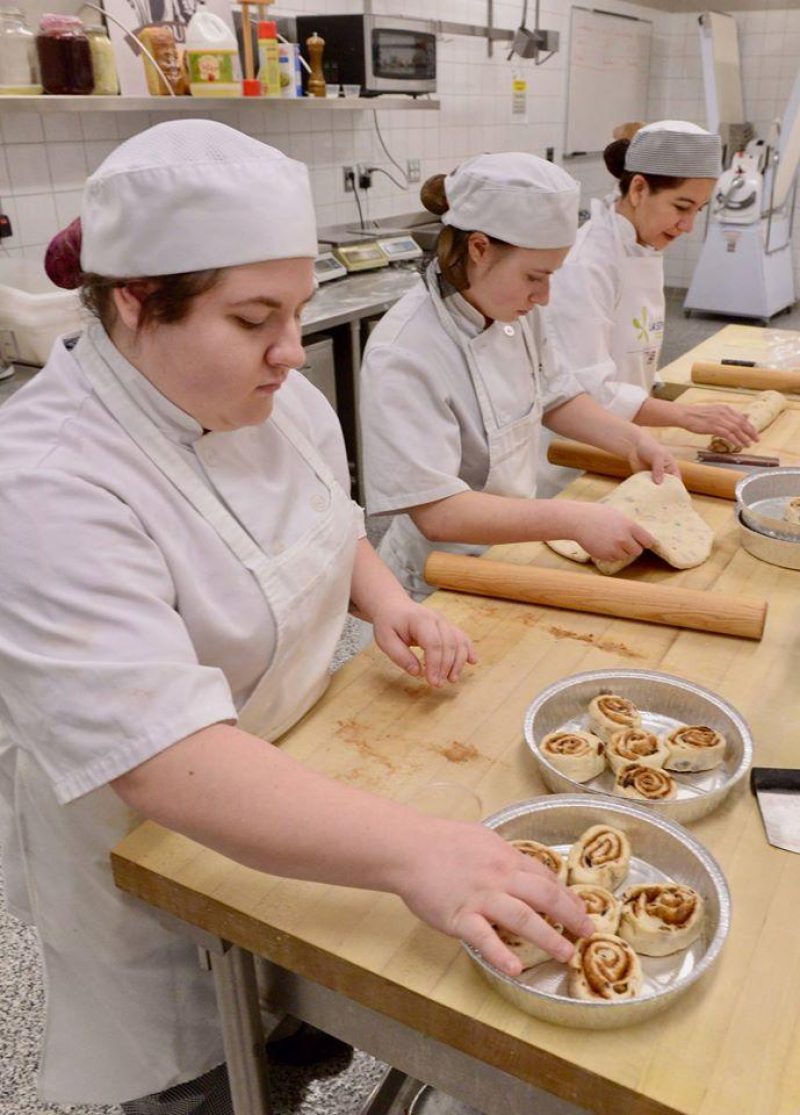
(646, 452)
(606, 533)
(721, 421)
(402, 624)
(469, 880)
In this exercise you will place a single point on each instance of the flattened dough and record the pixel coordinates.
(763, 410)
(683, 539)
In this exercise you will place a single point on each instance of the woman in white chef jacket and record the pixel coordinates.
(457, 379)
(178, 553)
(605, 318)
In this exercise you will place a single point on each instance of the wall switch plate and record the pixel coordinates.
(349, 178)
(412, 170)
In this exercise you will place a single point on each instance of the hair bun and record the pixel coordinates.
(62, 260)
(433, 196)
(614, 157)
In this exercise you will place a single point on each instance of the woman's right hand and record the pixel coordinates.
(607, 534)
(467, 879)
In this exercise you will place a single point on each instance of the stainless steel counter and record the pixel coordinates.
(357, 296)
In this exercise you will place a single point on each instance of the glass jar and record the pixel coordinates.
(19, 66)
(104, 64)
(65, 57)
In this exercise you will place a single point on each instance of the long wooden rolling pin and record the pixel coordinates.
(605, 596)
(706, 480)
(759, 379)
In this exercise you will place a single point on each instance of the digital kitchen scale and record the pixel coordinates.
(400, 247)
(327, 267)
(362, 256)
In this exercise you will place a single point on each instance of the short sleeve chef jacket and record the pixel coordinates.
(422, 431)
(581, 315)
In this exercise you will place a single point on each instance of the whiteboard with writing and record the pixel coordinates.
(609, 68)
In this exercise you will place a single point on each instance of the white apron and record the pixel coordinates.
(636, 337)
(513, 455)
(129, 1010)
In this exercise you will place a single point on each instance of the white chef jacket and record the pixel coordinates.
(422, 431)
(127, 624)
(583, 315)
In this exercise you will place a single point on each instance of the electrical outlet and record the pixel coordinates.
(364, 176)
(412, 170)
(349, 179)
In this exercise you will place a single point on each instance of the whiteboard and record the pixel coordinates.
(609, 67)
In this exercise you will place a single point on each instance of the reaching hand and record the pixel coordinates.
(445, 647)
(721, 421)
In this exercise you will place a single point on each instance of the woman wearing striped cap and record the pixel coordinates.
(606, 312)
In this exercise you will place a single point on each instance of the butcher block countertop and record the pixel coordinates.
(731, 1045)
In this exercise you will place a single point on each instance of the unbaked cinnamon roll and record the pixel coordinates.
(578, 755)
(601, 856)
(661, 918)
(608, 713)
(604, 967)
(635, 745)
(529, 954)
(694, 747)
(548, 856)
(792, 511)
(645, 783)
(602, 906)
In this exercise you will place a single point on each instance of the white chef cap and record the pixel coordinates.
(190, 195)
(675, 148)
(515, 197)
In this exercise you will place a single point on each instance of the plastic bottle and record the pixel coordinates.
(289, 63)
(212, 57)
(269, 71)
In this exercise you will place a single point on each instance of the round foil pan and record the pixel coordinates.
(661, 851)
(665, 702)
(762, 497)
(776, 551)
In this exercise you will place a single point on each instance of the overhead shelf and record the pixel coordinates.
(47, 103)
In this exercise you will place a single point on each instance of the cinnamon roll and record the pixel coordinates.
(645, 783)
(604, 967)
(608, 713)
(694, 747)
(529, 954)
(601, 906)
(578, 755)
(635, 745)
(601, 856)
(548, 856)
(792, 511)
(660, 918)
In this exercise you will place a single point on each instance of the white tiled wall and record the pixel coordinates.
(45, 158)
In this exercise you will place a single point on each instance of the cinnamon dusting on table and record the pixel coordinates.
(458, 752)
(593, 641)
(353, 732)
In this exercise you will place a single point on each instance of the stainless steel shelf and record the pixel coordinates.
(211, 104)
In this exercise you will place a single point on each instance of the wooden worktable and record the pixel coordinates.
(744, 342)
(731, 1046)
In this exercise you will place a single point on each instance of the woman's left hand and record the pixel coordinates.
(445, 648)
(646, 452)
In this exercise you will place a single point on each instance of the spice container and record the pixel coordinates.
(104, 64)
(269, 71)
(19, 66)
(65, 57)
(159, 40)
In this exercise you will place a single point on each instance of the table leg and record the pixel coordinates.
(242, 1033)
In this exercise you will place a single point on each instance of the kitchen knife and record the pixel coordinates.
(778, 793)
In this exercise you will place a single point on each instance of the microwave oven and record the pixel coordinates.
(381, 54)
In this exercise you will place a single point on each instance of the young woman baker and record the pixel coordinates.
(457, 379)
(178, 552)
(606, 312)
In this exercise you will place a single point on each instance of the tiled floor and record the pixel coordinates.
(295, 1092)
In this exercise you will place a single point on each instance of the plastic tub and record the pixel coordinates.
(33, 312)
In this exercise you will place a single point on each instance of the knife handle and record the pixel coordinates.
(775, 778)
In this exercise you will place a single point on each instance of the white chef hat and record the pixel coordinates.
(675, 148)
(515, 197)
(191, 195)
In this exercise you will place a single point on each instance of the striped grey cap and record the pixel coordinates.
(675, 148)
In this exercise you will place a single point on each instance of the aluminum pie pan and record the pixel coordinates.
(665, 702)
(776, 551)
(661, 850)
(762, 497)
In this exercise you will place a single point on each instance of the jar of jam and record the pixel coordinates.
(65, 57)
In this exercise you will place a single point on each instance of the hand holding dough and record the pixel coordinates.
(763, 410)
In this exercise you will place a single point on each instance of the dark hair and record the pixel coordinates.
(164, 299)
(614, 158)
(452, 246)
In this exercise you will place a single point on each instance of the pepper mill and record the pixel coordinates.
(315, 45)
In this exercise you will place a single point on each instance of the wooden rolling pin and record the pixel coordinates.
(605, 596)
(758, 379)
(706, 480)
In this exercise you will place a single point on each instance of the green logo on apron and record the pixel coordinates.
(642, 327)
